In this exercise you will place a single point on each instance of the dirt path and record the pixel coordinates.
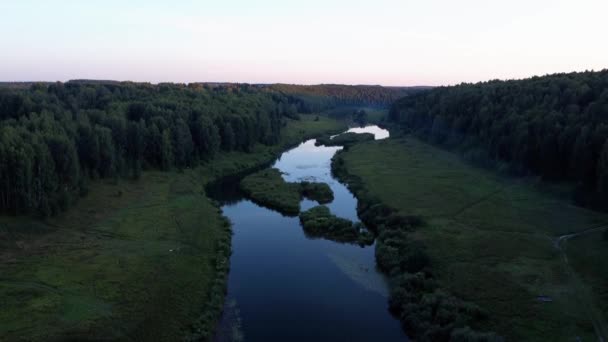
(563, 238)
(583, 293)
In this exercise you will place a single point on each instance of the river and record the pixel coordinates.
(285, 286)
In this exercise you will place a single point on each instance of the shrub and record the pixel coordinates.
(320, 222)
(320, 192)
(467, 334)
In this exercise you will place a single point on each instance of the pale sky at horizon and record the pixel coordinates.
(388, 42)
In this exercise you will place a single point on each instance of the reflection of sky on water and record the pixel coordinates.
(378, 132)
(308, 162)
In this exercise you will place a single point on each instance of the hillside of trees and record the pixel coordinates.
(554, 126)
(315, 98)
(54, 138)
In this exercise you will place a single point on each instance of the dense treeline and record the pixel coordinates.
(55, 137)
(554, 126)
(315, 98)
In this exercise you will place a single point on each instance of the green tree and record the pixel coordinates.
(183, 147)
(228, 137)
(166, 152)
(207, 137)
(107, 155)
(602, 172)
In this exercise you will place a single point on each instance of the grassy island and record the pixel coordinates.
(319, 222)
(268, 188)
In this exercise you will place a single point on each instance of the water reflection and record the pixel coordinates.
(313, 163)
(379, 133)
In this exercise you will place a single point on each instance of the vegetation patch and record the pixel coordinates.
(319, 222)
(268, 188)
(118, 258)
(344, 139)
(588, 255)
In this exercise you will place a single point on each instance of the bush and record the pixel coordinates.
(366, 238)
(467, 334)
(320, 222)
(320, 192)
(396, 254)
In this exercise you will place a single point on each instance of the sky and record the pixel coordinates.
(387, 42)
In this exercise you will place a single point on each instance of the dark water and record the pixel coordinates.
(284, 286)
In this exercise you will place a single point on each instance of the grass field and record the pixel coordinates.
(112, 257)
(491, 240)
(588, 256)
(133, 260)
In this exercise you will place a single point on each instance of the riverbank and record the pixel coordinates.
(489, 240)
(133, 260)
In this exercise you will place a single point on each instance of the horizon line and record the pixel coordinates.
(101, 80)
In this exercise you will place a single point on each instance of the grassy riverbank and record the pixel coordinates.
(490, 240)
(133, 260)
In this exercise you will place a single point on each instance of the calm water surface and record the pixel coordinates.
(285, 286)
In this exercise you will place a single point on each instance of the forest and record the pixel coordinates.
(55, 138)
(554, 127)
(315, 98)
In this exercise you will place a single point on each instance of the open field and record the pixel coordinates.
(133, 260)
(491, 240)
(588, 257)
(126, 249)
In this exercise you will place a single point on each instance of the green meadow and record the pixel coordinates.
(492, 240)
